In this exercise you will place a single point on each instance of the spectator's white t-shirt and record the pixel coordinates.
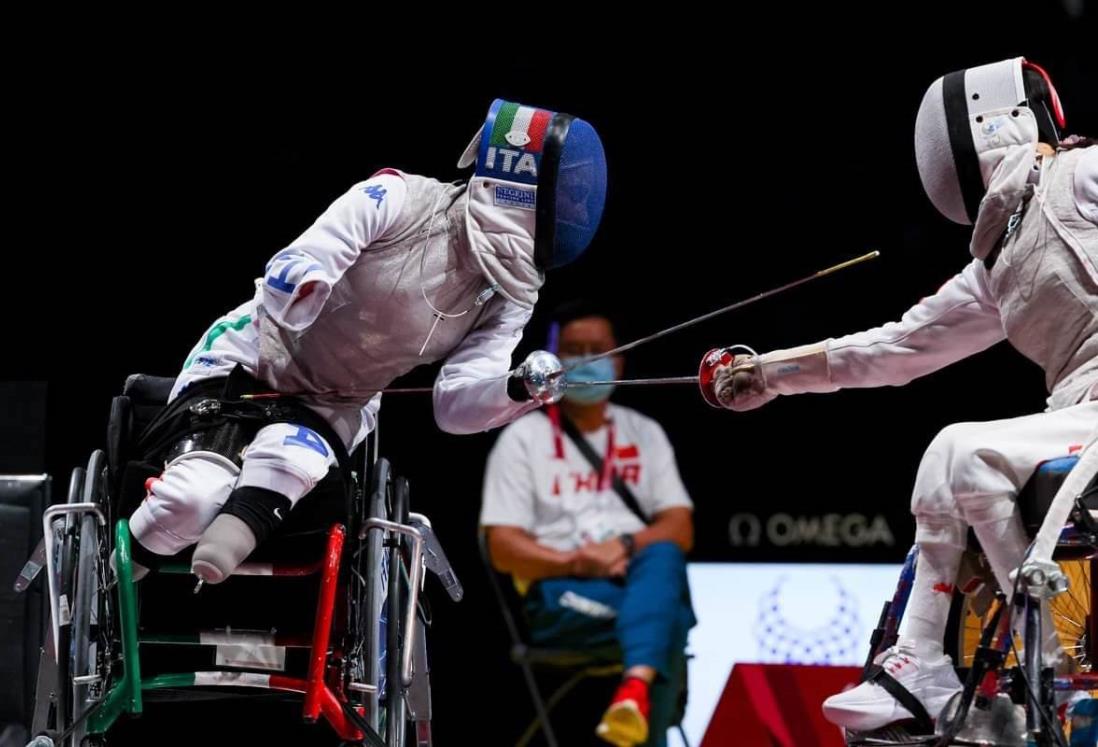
(558, 500)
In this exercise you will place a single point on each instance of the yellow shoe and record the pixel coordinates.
(625, 722)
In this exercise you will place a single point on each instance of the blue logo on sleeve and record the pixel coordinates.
(307, 439)
(374, 192)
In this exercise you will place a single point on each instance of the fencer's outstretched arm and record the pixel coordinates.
(470, 393)
(299, 279)
(959, 320)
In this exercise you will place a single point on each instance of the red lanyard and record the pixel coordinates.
(607, 475)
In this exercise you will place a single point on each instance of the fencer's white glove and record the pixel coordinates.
(741, 384)
(746, 382)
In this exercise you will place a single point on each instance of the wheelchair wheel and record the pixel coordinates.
(82, 564)
(368, 579)
(1071, 614)
(380, 596)
(88, 613)
(67, 551)
(395, 716)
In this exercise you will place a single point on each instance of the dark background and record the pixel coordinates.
(153, 179)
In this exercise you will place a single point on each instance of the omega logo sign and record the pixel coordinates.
(828, 530)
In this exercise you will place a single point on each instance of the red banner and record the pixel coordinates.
(769, 705)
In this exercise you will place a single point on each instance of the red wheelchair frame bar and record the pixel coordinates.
(321, 699)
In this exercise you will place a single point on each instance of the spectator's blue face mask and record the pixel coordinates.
(600, 370)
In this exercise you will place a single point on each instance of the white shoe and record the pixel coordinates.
(869, 706)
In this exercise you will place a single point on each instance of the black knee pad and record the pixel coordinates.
(261, 509)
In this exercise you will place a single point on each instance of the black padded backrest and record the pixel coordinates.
(147, 396)
(143, 389)
(142, 399)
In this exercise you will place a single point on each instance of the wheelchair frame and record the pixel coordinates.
(373, 566)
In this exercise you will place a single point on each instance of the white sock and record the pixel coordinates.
(927, 614)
